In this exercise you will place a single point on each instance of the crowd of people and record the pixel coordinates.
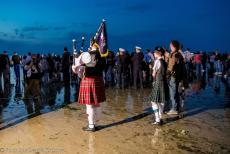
(168, 72)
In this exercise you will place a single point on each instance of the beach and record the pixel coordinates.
(125, 125)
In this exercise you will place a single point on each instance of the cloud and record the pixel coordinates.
(83, 24)
(3, 34)
(20, 34)
(59, 28)
(36, 32)
(77, 35)
(35, 28)
(86, 25)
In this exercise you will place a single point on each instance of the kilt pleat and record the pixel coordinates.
(92, 91)
(160, 92)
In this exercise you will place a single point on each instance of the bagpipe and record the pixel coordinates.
(98, 42)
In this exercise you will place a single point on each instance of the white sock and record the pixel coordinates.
(155, 108)
(91, 115)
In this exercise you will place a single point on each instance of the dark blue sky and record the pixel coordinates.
(48, 25)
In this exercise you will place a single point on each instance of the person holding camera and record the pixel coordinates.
(32, 88)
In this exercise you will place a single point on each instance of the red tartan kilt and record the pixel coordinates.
(92, 91)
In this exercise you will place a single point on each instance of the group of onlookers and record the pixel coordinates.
(123, 69)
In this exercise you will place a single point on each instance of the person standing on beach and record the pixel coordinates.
(16, 61)
(66, 66)
(51, 67)
(218, 65)
(160, 92)
(5, 68)
(197, 61)
(32, 88)
(92, 88)
(175, 75)
(122, 68)
(110, 62)
(137, 60)
(188, 62)
(148, 59)
(1, 69)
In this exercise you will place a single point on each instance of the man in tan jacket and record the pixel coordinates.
(175, 71)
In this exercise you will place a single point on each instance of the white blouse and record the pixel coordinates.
(157, 65)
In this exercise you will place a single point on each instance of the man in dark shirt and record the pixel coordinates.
(5, 68)
(66, 66)
(122, 67)
(137, 67)
(110, 62)
(16, 60)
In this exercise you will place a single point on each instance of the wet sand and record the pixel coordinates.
(126, 127)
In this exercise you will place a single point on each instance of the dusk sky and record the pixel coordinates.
(49, 25)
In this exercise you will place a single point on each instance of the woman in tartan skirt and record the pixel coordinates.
(160, 92)
(92, 89)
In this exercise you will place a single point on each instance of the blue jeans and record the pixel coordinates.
(17, 71)
(198, 70)
(173, 91)
(109, 75)
(218, 66)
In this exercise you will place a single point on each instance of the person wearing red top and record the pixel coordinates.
(197, 61)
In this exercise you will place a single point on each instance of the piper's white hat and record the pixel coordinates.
(121, 50)
(92, 62)
(85, 58)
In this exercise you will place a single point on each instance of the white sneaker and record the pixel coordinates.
(172, 112)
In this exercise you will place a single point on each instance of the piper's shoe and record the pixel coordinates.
(89, 129)
(158, 123)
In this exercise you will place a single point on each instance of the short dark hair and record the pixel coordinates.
(65, 49)
(176, 44)
(158, 52)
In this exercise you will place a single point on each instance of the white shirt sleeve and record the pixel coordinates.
(157, 65)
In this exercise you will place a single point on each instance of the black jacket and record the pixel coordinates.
(98, 69)
(137, 60)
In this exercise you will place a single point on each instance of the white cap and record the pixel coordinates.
(93, 62)
(121, 50)
(139, 48)
(86, 57)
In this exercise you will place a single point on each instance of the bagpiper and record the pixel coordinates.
(90, 65)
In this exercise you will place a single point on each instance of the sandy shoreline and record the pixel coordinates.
(127, 129)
